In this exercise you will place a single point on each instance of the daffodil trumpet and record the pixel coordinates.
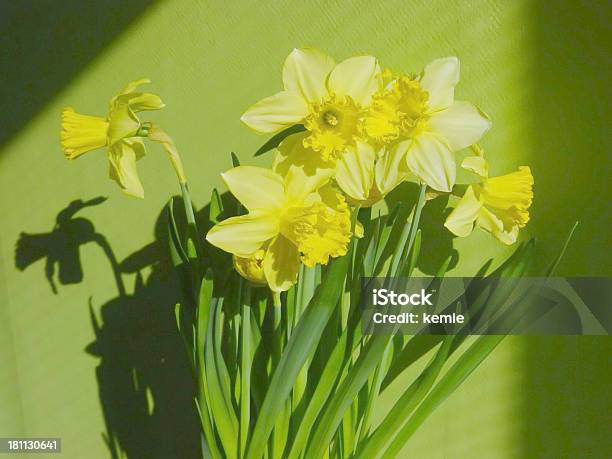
(499, 205)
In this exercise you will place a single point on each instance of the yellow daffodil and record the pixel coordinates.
(498, 205)
(362, 173)
(289, 218)
(120, 132)
(421, 122)
(329, 99)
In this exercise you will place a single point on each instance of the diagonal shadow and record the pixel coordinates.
(566, 386)
(45, 43)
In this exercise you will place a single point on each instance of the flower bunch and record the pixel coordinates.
(364, 131)
(291, 370)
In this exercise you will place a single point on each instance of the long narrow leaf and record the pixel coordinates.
(300, 346)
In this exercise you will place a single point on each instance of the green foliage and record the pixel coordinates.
(300, 378)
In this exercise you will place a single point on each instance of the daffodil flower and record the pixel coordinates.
(329, 99)
(363, 173)
(291, 218)
(121, 132)
(422, 123)
(498, 205)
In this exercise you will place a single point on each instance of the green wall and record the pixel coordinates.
(539, 69)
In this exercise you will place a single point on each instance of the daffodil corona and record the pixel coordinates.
(499, 205)
(290, 218)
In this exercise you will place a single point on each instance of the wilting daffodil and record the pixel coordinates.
(121, 132)
(329, 99)
(289, 219)
(422, 123)
(498, 205)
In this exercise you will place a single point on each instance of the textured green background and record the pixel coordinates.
(539, 69)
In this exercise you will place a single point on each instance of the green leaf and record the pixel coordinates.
(216, 207)
(278, 138)
(407, 403)
(553, 266)
(203, 396)
(235, 160)
(322, 391)
(245, 370)
(300, 346)
(177, 253)
(464, 366)
(220, 398)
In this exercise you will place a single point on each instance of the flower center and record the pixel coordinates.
(398, 111)
(331, 118)
(318, 230)
(333, 125)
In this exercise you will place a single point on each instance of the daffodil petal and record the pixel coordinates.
(305, 72)
(461, 220)
(133, 85)
(122, 123)
(256, 188)
(356, 77)
(145, 101)
(276, 112)
(391, 167)
(355, 173)
(281, 264)
(244, 235)
(439, 79)
(488, 221)
(476, 164)
(122, 157)
(461, 125)
(431, 160)
(304, 170)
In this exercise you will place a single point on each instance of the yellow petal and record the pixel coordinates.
(276, 112)
(281, 264)
(122, 157)
(256, 188)
(145, 101)
(439, 79)
(356, 77)
(431, 160)
(461, 125)
(461, 220)
(304, 170)
(488, 221)
(305, 72)
(391, 167)
(244, 235)
(122, 123)
(477, 165)
(133, 85)
(355, 173)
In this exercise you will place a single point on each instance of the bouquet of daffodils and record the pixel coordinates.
(272, 278)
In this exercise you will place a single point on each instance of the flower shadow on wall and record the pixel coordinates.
(145, 387)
